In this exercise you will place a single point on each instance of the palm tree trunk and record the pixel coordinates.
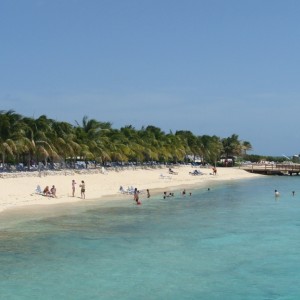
(3, 158)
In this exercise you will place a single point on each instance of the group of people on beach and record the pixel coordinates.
(50, 192)
(82, 188)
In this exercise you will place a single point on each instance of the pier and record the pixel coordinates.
(272, 169)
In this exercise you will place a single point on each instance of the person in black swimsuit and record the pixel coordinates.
(82, 189)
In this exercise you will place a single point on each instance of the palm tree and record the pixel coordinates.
(65, 141)
(42, 138)
(48, 140)
(246, 146)
(214, 149)
(190, 141)
(177, 147)
(91, 137)
(232, 147)
(10, 132)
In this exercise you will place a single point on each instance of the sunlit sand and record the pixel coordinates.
(20, 191)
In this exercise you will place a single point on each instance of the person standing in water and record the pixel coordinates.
(136, 196)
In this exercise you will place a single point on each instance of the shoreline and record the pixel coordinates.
(19, 192)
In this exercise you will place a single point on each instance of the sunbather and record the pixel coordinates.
(46, 191)
(172, 172)
(195, 172)
(53, 191)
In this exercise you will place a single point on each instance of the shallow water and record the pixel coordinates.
(236, 241)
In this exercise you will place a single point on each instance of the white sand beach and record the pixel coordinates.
(20, 191)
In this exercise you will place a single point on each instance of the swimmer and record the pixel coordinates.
(277, 193)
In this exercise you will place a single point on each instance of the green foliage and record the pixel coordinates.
(23, 139)
(278, 159)
(253, 158)
(261, 158)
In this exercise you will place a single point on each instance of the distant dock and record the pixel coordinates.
(272, 169)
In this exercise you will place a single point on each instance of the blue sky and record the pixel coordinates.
(216, 67)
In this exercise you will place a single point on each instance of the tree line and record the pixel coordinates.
(26, 140)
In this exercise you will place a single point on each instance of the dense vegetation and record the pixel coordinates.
(28, 140)
(260, 158)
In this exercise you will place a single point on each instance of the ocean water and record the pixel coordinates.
(235, 241)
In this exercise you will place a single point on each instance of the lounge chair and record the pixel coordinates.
(162, 176)
(38, 190)
(104, 171)
(195, 173)
(122, 190)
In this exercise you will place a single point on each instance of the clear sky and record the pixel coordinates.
(216, 67)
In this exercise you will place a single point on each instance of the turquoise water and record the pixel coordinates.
(236, 241)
